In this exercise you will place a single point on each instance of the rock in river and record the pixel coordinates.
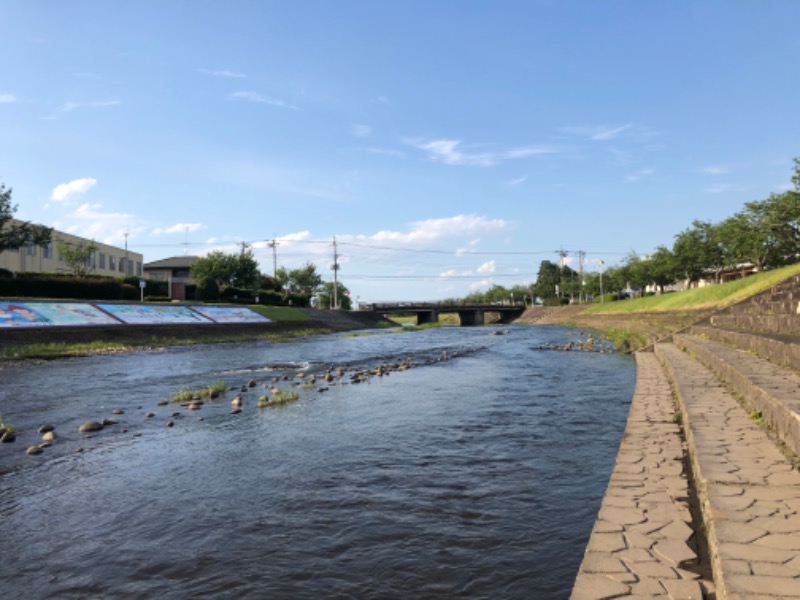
(90, 426)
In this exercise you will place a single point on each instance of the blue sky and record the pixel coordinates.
(447, 145)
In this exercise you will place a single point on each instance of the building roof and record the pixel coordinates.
(176, 262)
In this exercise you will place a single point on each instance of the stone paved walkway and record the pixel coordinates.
(749, 492)
(640, 544)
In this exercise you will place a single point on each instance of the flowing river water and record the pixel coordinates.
(476, 473)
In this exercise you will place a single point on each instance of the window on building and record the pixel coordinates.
(122, 265)
(112, 264)
(129, 265)
(92, 259)
(47, 251)
(138, 268)
(101, 260)
(30, 250)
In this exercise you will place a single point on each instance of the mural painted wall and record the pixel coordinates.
(231, 314)
(149, 314)
(48, 314)
(44, 314)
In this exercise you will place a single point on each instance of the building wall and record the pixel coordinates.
(107, 260)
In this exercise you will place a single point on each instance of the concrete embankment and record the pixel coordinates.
(733, 382)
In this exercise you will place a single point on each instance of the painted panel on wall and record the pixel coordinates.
(231, 314)
(44, 314)
(148, 314)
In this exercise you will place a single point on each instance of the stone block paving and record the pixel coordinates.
(749, 492)
(640, 546)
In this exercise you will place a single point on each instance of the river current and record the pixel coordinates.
(475, 473)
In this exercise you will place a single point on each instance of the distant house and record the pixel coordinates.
(105, 260)
(176, 271)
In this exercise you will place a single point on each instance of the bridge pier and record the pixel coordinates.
(471, 317)
(427, 316)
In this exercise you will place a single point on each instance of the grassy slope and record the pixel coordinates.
(633, 324)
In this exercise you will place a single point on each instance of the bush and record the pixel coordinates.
(207, 291)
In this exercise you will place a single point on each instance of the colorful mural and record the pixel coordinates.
(231, 314)
(47, 314)
(44, 314)
(150, 314)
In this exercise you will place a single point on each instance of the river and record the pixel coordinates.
(475, 473)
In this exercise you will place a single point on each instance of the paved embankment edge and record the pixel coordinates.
(642, 544)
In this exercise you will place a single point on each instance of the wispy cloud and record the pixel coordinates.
(600, 133)
(260, 99)
(362, 131)
(431, 230)
(487, 267)
(385, 152)
(517, 181)
(722, 188)
(70, 106)
(89, 221)
(179, 228)
(450, 153)
(714, 170)
(6, 98)
(639, 175)
(67, 191)
(222, 73)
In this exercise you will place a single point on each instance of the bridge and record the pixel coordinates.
(469, 313)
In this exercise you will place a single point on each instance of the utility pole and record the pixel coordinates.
(562, 254)
(273, 243)
(335, 275)
(244, 246)
(581, 256)
(126, 252)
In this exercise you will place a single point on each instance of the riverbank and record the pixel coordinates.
(704, 498)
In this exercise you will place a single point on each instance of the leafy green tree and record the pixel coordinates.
(548, 282)
(304, 281)
(661, 268)
(342, 296)
(13, 237)
(77, 256)
(239, 270)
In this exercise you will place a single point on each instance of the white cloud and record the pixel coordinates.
(7, 98)
(89, 221)
(714, 170)
(260, 99)
(450, 153)
(222, 73)
(385, 152)
(487, 267)
(600, 133)
(179, 228)
(434, 229)
(517, 181)
(70, 106)
(76, 187)
(639, 175)
(722, 188)
(362, 131)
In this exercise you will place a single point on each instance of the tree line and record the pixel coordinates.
(765, 234)
(236, 276)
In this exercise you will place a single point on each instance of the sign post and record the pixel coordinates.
(142, 285)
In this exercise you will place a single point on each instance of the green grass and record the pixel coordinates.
(713, 296)
(278, 398)
(5, 427)
(279, 313)
(210, 391)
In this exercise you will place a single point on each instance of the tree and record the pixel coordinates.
(304, 281)
(661, 268)
(15, 236)
(77, 256)
(342, 296)
(548, 282)
(239, 270)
